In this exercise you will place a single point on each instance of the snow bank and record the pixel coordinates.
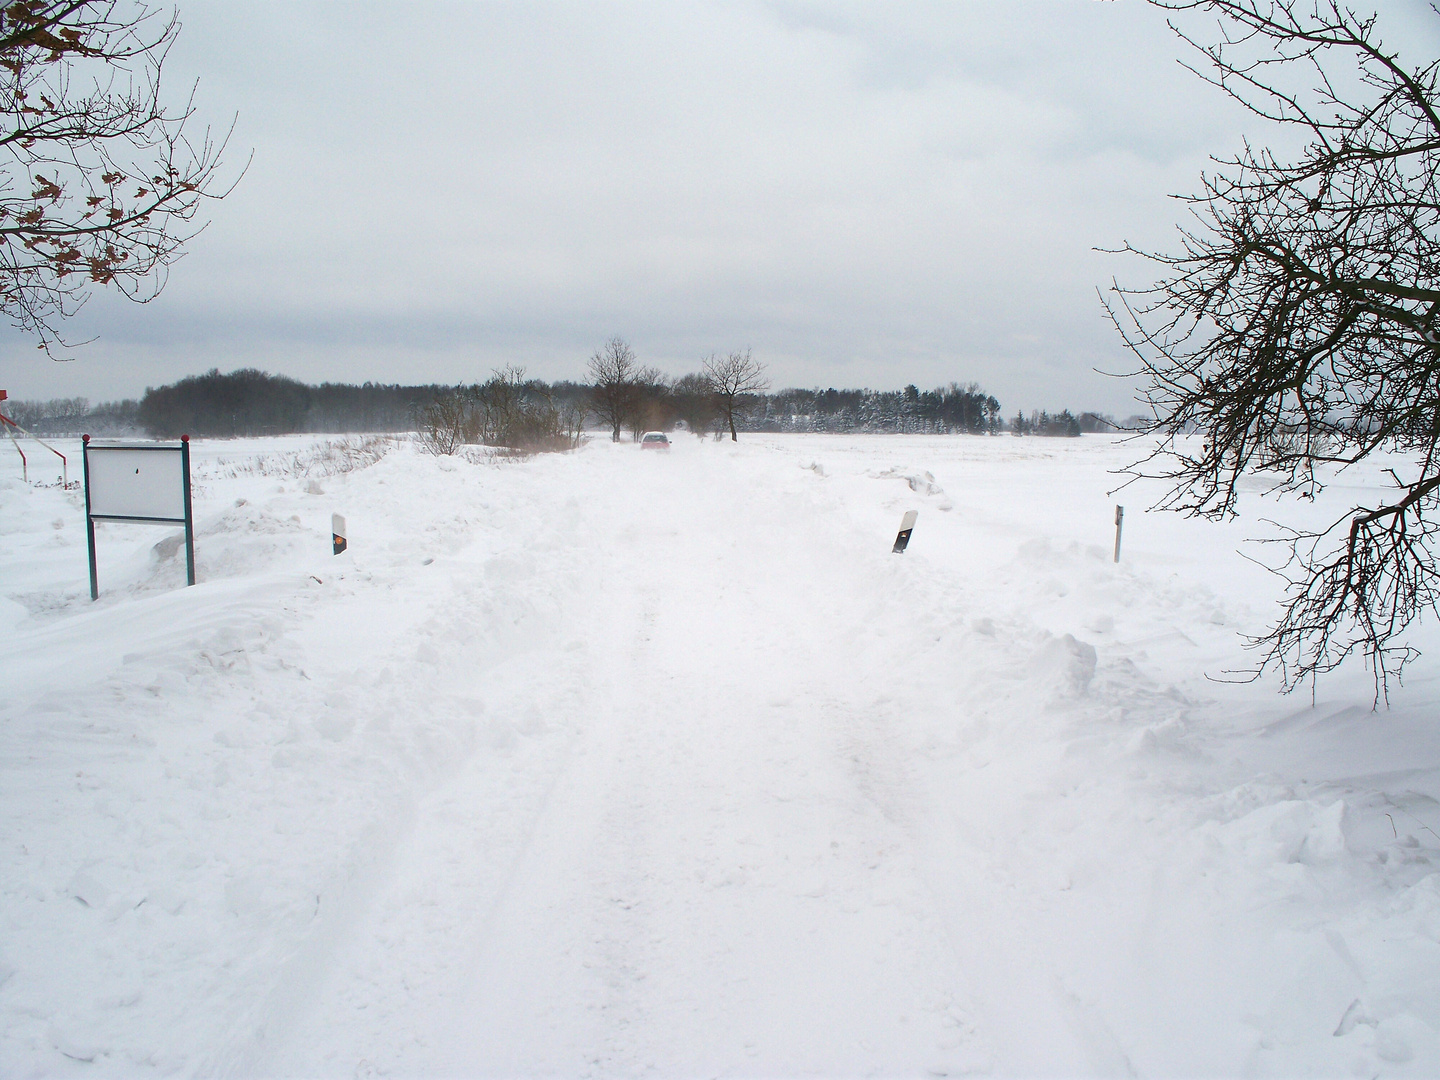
(607, 763)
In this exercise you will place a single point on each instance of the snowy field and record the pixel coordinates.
(633, 764)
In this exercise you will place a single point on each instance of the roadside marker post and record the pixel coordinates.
(142, 483)
(907, 526)
(337, 533)
(1119, 523)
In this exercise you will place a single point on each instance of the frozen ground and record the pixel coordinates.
(630, 764)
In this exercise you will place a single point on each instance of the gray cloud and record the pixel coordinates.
(864, 194)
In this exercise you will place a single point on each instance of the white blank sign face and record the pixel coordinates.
(137, 483)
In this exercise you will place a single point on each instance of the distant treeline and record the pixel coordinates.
(250, 402)
(1066, 424)
(945, 410)
(75, 416)
(948, 410)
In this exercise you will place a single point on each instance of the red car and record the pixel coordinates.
(655, 440)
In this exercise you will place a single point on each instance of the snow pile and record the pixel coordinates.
(611, 763)
(917, 480)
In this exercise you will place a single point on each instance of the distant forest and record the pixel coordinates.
(250, 402)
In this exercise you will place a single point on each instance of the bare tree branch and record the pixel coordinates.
(103, 183)
(1295, 329)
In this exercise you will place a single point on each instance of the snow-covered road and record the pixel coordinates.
(621, 763)
(709, 878)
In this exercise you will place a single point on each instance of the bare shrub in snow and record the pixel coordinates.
(446, 423)
(506, 411)
(509, 411)
(331, 458)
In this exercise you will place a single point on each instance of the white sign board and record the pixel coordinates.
(133, 483)
(138, 483)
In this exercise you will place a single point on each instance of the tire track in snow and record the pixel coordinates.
(707, 886)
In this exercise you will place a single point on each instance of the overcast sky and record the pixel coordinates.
(864, 194)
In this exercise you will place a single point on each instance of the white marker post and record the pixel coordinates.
(907, 526)
(337, 532)
(1119, 521)
(142, 483)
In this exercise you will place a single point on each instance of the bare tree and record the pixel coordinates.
(614, 373)
(102, 183)
(694, 403)
(1296, 326)
(731, 378)
(650, 407)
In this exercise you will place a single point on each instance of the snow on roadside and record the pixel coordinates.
(190, 787)
(245, 826)
(1150, 836)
